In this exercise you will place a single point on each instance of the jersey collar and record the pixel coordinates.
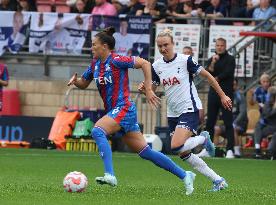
(175, 55)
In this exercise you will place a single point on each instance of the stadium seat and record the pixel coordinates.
(61, 6)
(44, 5)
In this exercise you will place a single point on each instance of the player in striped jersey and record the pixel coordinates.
(110, 73)
(175, 72)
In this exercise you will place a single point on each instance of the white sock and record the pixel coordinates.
(199, 165)
(257, 146)
(192, 142)
(237, 150)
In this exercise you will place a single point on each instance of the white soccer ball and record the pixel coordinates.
(75, 182)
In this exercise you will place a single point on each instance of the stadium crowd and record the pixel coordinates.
(159, 9)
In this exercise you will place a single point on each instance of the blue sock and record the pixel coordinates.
(105, 152)
(162, 161)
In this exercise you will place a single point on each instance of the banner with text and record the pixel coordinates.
(13, 30)
(132, 33)
(53, 33)
(183, 35)
(231, 35)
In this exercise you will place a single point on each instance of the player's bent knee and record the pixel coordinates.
(98, 132)
(177, 149)
(185, 155)
(145, 152)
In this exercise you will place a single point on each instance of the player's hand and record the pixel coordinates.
(226, 102)
(73, 80)
(152, 99)
(141, 88)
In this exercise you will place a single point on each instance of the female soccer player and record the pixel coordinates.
(110, 72)
(175, 72)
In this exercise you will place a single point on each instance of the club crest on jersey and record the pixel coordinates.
(107, 68)
(170, 81)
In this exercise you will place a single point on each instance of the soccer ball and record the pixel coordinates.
(75, 182)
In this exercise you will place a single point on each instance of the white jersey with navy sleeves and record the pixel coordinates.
(176, 76)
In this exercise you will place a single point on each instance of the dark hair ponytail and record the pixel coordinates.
(106, 36)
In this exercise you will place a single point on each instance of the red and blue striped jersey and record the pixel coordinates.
(111, 78)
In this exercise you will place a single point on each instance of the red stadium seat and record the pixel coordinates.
(61, 6)
(62, 9)
(44, 5)
(44, 8)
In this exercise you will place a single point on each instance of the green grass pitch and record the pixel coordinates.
(34, 177)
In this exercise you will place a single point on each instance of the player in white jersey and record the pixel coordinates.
(175, 72)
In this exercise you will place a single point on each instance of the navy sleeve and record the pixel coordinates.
(88, 74)
(155, 77)
(192, 66)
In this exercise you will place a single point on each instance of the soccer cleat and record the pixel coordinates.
(219, 185)
(208, 144)
(229, 154)
(107, 179)
(189, 182)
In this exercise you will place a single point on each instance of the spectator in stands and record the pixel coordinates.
(8, 5)
(267, 125)
(82, 6)
(240, 119)
(203, 5)
(216, 10)
(245, 11)
(174, 7)
(260, 96)
(4, 81)
(221, 66)
(264, 11)
(26, 5)
(189, 12)
(235, 6)
(120, 5)
(187, 50)
(153, 8)
(132, 7)
(104, 8)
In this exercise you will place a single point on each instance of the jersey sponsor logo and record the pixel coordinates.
(103, 80)
(96, 67)
(170, 81)
(181, 122)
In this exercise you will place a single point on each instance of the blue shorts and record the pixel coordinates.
(126, 117)
(189, 121)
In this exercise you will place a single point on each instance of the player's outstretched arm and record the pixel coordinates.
(225, 100)
(153, 100)
(141, 88)
(78, 82)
